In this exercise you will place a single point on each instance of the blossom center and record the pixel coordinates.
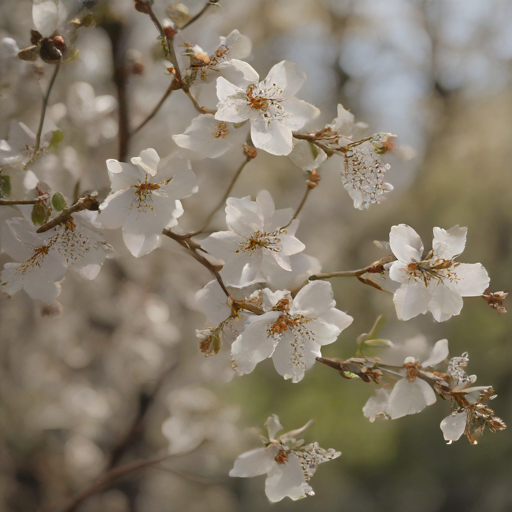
(261, 240)
(220, 131)
(439, 270)
(143, 194)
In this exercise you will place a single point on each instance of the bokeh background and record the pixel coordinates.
(438, 73)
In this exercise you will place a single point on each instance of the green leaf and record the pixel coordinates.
(40, 214)
(57, 137)
(58, 201)
(5, 185)
(72, 55)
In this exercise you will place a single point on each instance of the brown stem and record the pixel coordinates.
(108, 479)
(118, 34)
(200, 13)
(135, 431)
(301, 205)
(45, 106)
(196, 104)
(88, 202)
(14, 202)
(224, 197)
(172, 87)
(377, 267)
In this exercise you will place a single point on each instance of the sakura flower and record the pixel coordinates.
(269, 106)
(363, 171)
(209, 137)
(145, 198)
(411, 394)
(471, 414)
(292, 332)
(436, 283)
(287, 463)
(256, 242)
(43, 258)
(225, 61)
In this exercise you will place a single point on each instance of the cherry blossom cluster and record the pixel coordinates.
(268, 299)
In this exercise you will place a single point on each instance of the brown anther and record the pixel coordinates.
(282, 305)
(313, 179)
(250, 152)
(281, 457)
(170, 32)
(412, 371)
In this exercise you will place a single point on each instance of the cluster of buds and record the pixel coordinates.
(51, 49)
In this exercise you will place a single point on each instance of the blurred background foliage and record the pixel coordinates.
(435, 72)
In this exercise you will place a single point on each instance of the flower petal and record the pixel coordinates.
(272, 136)
(410, 398)
(448, 244)
(273, 426)
(411, 300)
(254, 344)
(438, 355)
(453, 426)
(299, 113)
(286, 480)
(444, 302)
(287, 76)
(471, 280)
(314, 300)
(254, 462)
(405, 243)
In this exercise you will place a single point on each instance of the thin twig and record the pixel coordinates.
(14, 202)
(224, 197)
(45, 106)
(196, 104)
(134, 432)
(301, 205)
(88, 202)
(108, 479)
(172, 87)
(199, 14)
(377, 267)
(190, 476)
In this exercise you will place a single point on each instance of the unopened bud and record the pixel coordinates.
(53, 49)
(170, 32)
(250, 152)
(313, 179)
(142, 6)
(495, 300)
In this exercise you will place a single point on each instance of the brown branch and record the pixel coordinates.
(134, 432)
(106, 480)
(45, 106)
(202, 110)
(201, 12)
(224, 197)
(88, 202)
(378, 267)
(172, 87)
(14, 202)
(301, 205)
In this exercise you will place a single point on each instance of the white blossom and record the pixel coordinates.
(145, 198)
(18, 148)
(288, 464)
(411, 394)
(292, 332)
(436, 283)
(269, 106)
(209, 137)
(43, 258)
(256, 243)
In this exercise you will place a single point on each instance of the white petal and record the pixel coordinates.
(123, 175)
(254, 463)
(344, 122)
(115, 209)
(444, 302)
(288, 77)
(471, 280)
(240, 46)
(222, 245)
(411, 300)
(238, 72)
(295, 353)
(272, 136)
(183, 181)
(141, 244)
(148, 161)
(377, 405)
(338, 318)
(305, 156)
(398, 272)
(410, 398)
(405, 243)
(300, 113)
(453, 426)
(45, 14)
(286, 480)
(448, 244)
(244, 216)
(323, 332)
(314, 300)
(212, 301)
(438, 355)
(273, 426)
(254, 344)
